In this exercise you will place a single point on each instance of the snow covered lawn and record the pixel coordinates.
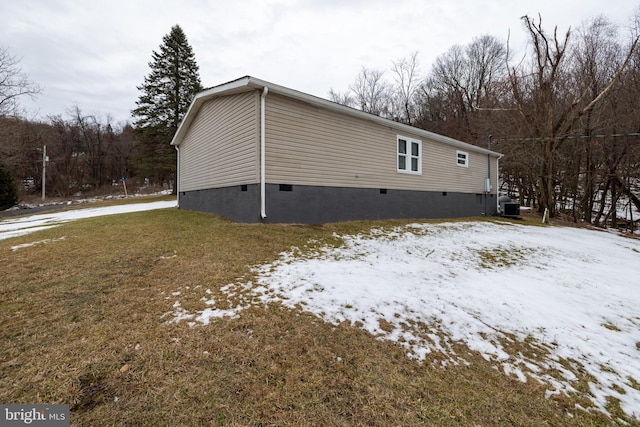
(25, 225)
(572, 294)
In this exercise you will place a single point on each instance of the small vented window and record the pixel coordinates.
(286, 187)
(462, 158)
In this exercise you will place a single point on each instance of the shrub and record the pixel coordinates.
(8, 189)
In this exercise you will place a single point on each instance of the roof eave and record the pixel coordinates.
(248, 83)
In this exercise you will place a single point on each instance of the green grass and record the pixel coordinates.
(82, 324)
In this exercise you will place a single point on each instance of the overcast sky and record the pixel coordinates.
(93, 53)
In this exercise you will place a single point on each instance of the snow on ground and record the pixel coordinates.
(39, 242)
(576, 292)
(14, 227)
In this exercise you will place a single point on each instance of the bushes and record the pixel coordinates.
(8, 189)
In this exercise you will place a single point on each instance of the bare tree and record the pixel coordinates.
(371, 92)
(485, 56)
(548, 104)
(460, 83)
(85, 152)
(596, 59)
(13, 83)
(407, 78)
(345, 98)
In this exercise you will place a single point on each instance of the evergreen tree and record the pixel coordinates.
(8, 189)
(165, 97)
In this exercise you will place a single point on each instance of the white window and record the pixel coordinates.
(409, 155)
(462, 157)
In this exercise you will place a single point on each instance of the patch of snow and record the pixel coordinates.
(207, 314)
(575, 292)
(39, 242)
(178, 313)
(14, 227)
(203, 316)
(17, 232)
(168, 257)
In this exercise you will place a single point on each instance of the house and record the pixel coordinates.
(254, 151)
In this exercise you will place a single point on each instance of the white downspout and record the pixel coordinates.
(498, 183)
(263, 212)
(177, 184)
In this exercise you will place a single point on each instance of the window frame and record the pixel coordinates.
(465, 163)
(408, 156)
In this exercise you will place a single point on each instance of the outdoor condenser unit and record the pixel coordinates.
(508, 208)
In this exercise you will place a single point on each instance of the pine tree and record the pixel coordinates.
(165, 97)
(8, 189)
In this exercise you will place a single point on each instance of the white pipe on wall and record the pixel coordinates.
(263, 212)
(498, 182)
(177, 183)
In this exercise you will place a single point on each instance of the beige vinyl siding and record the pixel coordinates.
(220, 148)
(440, 164)
(307, 145)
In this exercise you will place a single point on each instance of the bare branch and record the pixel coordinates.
(13, 82)
(406, 70)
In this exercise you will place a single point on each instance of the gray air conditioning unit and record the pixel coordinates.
(508, 208)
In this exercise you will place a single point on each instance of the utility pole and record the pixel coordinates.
(44, 170)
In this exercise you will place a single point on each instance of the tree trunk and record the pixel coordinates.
(588, 196)
(626, 190)
(603, 201)
(546, 181)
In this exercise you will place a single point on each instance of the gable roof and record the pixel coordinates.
(249, 83)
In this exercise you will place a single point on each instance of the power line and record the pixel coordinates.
(560, 138)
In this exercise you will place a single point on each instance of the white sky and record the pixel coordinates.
(93, 54)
